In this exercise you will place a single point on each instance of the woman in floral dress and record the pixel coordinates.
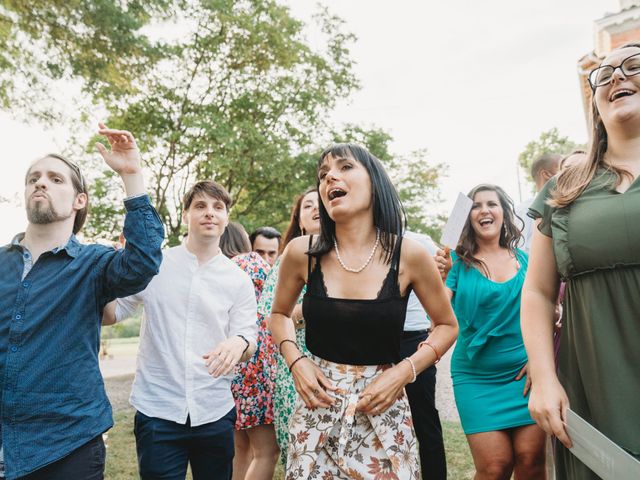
(253, 383)
(304, 220)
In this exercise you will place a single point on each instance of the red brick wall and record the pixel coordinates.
(631, 36)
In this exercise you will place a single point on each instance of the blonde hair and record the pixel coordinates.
(573, 181)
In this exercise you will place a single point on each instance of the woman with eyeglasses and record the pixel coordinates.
(352, 419)
(589, 235)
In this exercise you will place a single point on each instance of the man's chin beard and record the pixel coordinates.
(43, 216)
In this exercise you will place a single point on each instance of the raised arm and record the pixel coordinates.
(548, 401)
(310, 382)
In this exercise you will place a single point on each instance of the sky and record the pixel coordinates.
(472, 82)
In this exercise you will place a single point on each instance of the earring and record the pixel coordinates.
(504, 227)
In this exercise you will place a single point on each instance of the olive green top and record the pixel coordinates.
(596, 243)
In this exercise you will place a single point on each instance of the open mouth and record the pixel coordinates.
(315, 217)
(624, 92)
(485, 221)
(336, 193)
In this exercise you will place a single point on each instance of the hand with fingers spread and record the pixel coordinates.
(221, 360)
(548, 405)
(384, 390)
(124, 157)
(311, 384)
(524, 371)
(443, 262)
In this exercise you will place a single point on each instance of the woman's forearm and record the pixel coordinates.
(282, 329)
(537, 314)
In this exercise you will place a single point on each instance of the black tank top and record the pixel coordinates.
(354, 331)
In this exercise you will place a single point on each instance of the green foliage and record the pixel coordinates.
(98, 43)
(232, 92)
(548, 142)
(238, 98)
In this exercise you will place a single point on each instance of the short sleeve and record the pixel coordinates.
(452, 277)
(539, 209)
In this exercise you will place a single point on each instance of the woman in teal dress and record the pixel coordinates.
(488, 365)
(589, 236)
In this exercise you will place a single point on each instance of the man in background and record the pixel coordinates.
(542, 169)
(265, 241)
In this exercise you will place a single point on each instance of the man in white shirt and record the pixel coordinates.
(199, 322)
(422, 393)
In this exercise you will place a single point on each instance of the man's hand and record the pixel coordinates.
(124, 157)
(221, 360)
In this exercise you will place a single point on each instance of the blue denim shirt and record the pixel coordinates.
(53, 396)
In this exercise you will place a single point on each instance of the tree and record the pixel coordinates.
(98, 45)
(549, 142)
(239, 98)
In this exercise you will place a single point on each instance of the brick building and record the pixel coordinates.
(611, 31)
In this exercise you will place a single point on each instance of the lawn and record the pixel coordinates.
(121, 451)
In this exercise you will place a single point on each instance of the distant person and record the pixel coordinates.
(422, 392)
(572, 159)
(265, 241)
(199, 322)
(542, 169)
(52, 288)
(589, 235)
(234, 240)
(489, 362)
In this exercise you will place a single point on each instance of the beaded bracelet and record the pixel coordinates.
(426, 342)
(413, 369)
(287, 340)
(296, 361)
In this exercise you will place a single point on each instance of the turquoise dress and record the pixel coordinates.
(489, 351)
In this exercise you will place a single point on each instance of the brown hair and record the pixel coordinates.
(79, 186)
(293, 230)
(510, 233)
(208, 187)
(573, 181)
(234, 241)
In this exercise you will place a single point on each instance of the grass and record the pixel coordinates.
(122, 463)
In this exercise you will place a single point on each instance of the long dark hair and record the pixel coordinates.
(572, 182)
(510, 234)
(388, 213)
(294, 230)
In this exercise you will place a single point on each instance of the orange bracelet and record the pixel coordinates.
(426, 342)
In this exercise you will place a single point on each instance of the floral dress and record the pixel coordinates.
(253, 383)
(284, 395)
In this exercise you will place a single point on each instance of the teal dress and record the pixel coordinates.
(489, 351)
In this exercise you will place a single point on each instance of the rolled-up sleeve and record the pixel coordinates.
(129, 271)
(242, 316)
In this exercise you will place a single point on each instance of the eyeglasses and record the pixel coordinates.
(629, 67)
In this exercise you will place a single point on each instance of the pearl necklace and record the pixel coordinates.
(357, 270)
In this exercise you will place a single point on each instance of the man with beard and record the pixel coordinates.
(52, 293)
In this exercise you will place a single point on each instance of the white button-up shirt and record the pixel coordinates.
(188, 310)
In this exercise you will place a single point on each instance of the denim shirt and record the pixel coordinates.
(53, 396)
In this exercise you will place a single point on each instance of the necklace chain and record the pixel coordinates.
(364, 265)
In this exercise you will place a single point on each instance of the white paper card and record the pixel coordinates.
(455, 224)
(599, 453)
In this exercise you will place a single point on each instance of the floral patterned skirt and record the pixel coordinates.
(340, 443)
(253, 383)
